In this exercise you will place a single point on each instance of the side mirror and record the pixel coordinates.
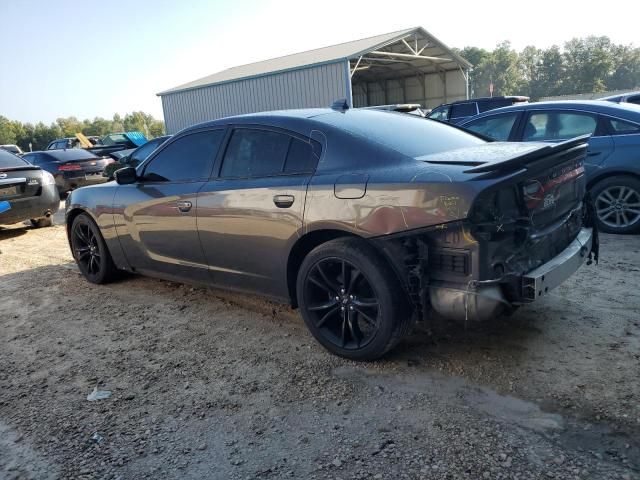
(125, 176)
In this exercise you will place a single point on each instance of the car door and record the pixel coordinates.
(155, 217)
(251, 213)
(559, 125)
(626, 138)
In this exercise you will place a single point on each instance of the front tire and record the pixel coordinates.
(351, 299)
(617, 204)
(90, 251)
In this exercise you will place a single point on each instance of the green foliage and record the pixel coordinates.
(40, 135)
(585, 65)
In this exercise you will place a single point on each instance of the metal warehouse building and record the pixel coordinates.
(408, 66)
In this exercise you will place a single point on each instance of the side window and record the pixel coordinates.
(558, 126)
(620, 127)
(300, 157)
(263, 153)
(440, 113)
(497, 127)
(32, 158)
(188, 158)
(141, 154)
(635, 99)
(463, 110)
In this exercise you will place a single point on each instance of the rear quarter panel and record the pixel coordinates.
(395, 193)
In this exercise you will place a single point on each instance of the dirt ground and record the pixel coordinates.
(212, 385)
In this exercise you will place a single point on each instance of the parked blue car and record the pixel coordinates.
(613, 156)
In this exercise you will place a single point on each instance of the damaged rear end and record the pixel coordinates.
(528, 229)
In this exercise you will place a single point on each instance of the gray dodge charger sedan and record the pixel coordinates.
(365, 220)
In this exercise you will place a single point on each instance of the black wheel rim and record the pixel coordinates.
(341, 303)
(86, 249)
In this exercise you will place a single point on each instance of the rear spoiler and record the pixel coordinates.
(521, 161)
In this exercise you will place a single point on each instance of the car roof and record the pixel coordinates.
(518, 98)
(67, 154)
(283, 118)
(620, 96)
(351, 121)
(622, 110)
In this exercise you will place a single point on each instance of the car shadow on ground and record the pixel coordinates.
(12, 232)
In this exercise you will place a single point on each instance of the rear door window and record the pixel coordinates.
(550, 126)
(620, 127)
(497, 127)
(463, 110)
(189, 158)
(255, 153)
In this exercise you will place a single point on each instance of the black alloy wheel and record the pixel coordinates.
(90, 251)
(342, 303)
(351, 300)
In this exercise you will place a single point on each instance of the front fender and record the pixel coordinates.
(97, 202)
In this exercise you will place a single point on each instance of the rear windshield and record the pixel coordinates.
(9, 160)
(410, 135)
(72, 154)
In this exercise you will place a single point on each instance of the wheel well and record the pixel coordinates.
(71, 217)
(623, 173)
(301, 249)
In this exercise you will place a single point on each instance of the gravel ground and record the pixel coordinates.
(212, 385)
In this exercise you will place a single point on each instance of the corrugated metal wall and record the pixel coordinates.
(316, 86)
(410, 90)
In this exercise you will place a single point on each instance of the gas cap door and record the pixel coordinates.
(351, 185)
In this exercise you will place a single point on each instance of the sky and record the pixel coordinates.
(89, 58)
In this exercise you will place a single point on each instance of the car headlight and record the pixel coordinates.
(47, 178)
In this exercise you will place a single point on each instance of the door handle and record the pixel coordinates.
(283, 201)
(591, 153)
(184, 206)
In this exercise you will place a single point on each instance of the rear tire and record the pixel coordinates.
(351, 299)
(90, 251)
(617, 204)
(42, 222)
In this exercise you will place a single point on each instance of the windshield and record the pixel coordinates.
(9, 160)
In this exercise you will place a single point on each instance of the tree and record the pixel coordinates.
(478, 57)
(626, 73)
(551, 74)
(529, 63)
(7, 134)
(40, 135)
(504, 70)
(118, 124)
(590, 63)
(69, 126)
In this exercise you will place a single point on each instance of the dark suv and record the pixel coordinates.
(456, 112)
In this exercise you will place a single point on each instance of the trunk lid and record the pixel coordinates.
(18, 183)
